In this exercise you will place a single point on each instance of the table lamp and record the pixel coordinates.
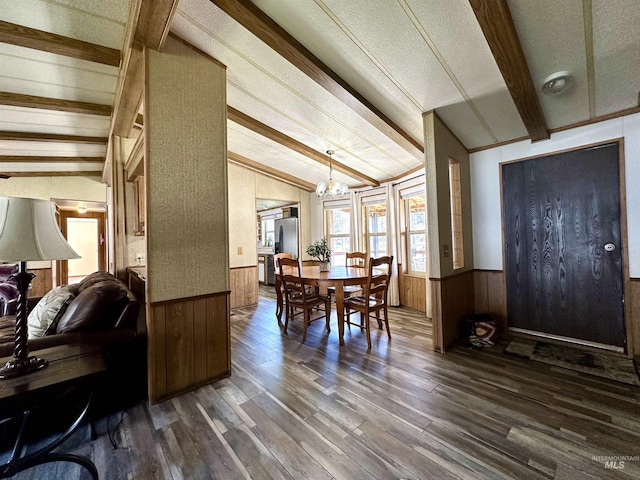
(28, 232)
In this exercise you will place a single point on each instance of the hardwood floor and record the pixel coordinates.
(318, 411)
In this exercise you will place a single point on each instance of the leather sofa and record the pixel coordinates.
(101, 310)
(8, 287)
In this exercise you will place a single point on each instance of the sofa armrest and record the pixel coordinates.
(13, 305)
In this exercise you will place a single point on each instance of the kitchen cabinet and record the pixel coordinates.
(265, 269)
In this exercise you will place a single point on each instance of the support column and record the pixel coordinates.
(450, 290)
(186, 219)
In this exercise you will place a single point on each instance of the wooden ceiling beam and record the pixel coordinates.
(270, 172)
(58, 44)
(271, 133)
(148, 26)
(262, 26)
(51, 137)
(48, 159)
(499, 30)
(154, 22)
(46, 103)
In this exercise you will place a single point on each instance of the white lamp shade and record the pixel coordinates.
(29, 231)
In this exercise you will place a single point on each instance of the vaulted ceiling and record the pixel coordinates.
(307, 76)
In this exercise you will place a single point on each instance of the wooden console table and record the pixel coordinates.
(70, 366)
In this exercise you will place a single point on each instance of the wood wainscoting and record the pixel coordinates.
(413, 292)
(244, 286)
(490, 295)
(189, 344)
(452, 300)
(633, 323)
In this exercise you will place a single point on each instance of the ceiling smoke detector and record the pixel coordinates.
(557, 84)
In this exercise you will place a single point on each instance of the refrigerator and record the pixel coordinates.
(286, 236)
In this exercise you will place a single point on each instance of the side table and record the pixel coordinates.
(70, 366)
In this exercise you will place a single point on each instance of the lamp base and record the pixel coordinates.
(22, 366)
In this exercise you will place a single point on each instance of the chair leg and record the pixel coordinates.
(287, 313)
(327, 313)
(386, 322)
(378, 318)
(306, 322)
(368, 330)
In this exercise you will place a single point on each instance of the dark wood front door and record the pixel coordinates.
(563, 246)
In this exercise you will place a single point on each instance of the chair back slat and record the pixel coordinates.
(356, 259)
(288, 262)
(378, 283)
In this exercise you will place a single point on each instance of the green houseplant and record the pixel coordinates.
(320, 250)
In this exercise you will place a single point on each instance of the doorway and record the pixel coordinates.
(563, 246)
(86, 233)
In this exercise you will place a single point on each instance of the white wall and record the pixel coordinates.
(485, 185)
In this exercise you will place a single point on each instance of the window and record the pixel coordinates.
(338, 228)
(268, 231)
(415, 216)
(455, 193)
(376, 228)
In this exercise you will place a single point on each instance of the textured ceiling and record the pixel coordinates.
(403, 57)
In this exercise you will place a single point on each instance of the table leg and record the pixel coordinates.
(44, 454)
(279, 299)
(340, 311)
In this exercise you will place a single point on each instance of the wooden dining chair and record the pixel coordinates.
(278, 284)
(352, 259)
(373, 298)
(299, 298)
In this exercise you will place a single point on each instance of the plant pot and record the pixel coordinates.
(324, 266)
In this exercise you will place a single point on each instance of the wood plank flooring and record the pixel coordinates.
(318, 411)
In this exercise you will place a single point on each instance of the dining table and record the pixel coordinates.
(336, 276)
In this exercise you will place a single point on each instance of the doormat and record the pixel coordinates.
(594, 363)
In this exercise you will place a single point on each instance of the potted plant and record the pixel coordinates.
(320, 250)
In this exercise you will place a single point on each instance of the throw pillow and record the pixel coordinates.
(95, 308)
(46, 310)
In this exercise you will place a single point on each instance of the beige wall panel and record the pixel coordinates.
(272, 189)
(46, 188)
(242, 217)
(245, 187)
(451, 291)
(185, 173)
(448, 146)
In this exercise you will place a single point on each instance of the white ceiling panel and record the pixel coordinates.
(69, 21)
(21, 74)
(54, 149)
(452, 30)
(360, 153)
(259, 76)
(465, 124)
(399, 50)
(404, 56)
(315, 29)
(616, 26)
(20, 119)
(553, 40)
(50, 167)
(272, 154)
